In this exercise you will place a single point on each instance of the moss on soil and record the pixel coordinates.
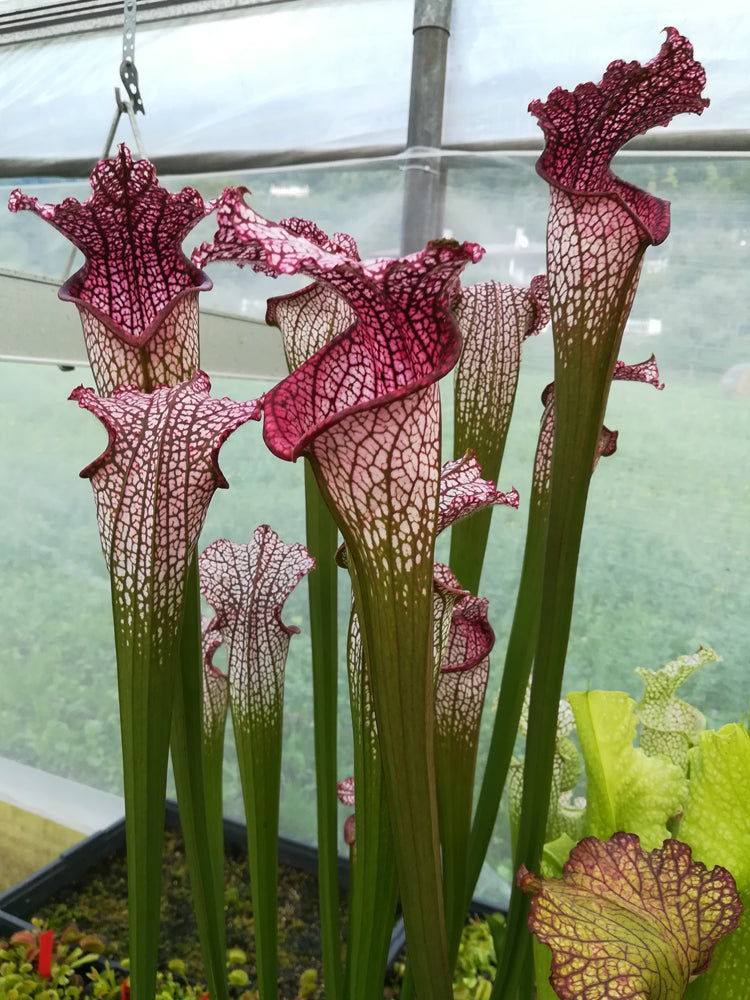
(98, 903)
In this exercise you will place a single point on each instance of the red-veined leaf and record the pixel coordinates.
(629, 924)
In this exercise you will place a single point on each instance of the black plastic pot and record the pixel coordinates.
(19, 903)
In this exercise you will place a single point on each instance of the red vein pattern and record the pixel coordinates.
(645, 371)
(599, 226)
(463, 491)
(446, 592)
(247, 586)
(360, 689)
(350, 830)
(464, 671)
(215, 683)
(365, 409)
(494, 320)
(629, 924)
(345, 792)
(381, 476)
(152, 486)
(137, 293)
(363, 404)
(308, 319)
(584, 129)
(404, 337)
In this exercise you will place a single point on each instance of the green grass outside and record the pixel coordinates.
(664, 565)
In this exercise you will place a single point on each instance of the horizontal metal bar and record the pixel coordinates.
(735, 142)
(37, 328)
(37, 22)
(709, 141)
(198, 163)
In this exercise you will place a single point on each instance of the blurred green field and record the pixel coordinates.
(664, 566)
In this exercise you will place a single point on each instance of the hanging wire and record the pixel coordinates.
(123, 107)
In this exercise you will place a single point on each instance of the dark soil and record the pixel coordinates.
(98, 903)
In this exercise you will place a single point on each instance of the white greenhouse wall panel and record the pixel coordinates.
(39, 328)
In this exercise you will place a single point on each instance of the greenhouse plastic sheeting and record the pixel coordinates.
(501, 56)
(322, 74)
(335, 74)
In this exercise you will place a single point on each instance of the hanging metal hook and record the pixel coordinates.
(128, 72)
(129, 77)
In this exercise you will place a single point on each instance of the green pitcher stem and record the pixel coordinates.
(518, 660)
(373, 890)
(201, 815)
(322, 539)
(455, 785)
(393, 599)
(259, 759)
(145, 684)
(405, 713)
(214, 766)
(407, 983)
(578, 421)
(373, 898)
(468, 547)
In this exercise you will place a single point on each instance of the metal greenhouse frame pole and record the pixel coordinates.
(423, 186)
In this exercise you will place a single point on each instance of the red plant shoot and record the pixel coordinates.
(44, 962)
